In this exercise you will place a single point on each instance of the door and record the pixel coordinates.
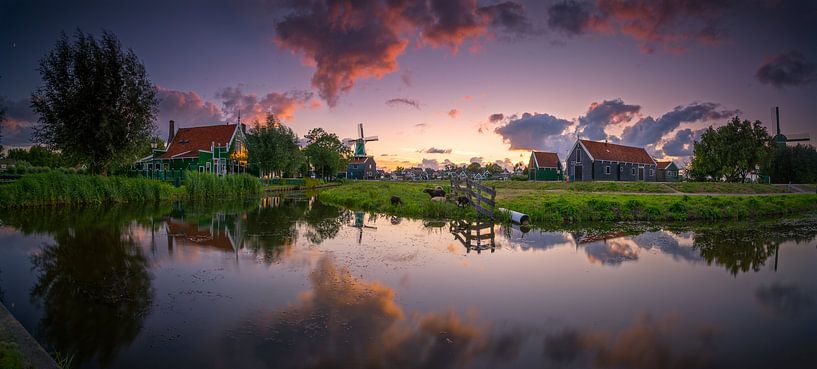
(578, 172)
(640, 174)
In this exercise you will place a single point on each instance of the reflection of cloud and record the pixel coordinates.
(669, 244)
(647, 343)
(783, 300)
(346, 322)
(612, 252)
(537, 240)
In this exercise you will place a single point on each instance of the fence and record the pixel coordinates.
(478, 235)
(480, 196)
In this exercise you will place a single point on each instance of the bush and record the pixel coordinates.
(206, 186)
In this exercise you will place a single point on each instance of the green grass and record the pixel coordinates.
(721, 187)
(376, 196)
(641, 187)
(58, 188)
(201, 186)
(547, 207)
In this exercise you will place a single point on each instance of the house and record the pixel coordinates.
(544, 166)
(361, 167)
(667, 171)
(603, 161)
(218, 149)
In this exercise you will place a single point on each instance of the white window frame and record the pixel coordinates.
(607, 170)
(207, 167)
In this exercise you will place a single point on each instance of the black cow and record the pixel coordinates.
(437, 192)
(462, 201)
(395, 200)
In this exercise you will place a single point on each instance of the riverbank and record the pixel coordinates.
(56, 188)
(546, 206)
(18, 349)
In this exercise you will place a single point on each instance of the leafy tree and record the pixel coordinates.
(325, 152)
(96, 103)
(273, 148)
(730, 152)
(494, 168)
(473, 167)
(39, 156)
(792, 164)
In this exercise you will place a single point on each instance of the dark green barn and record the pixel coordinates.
(544, 166)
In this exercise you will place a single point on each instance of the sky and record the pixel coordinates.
(447, 80)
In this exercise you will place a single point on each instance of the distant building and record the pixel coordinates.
(544, 166)
(667, 171)
(603, 161)
(218, 149)
(361, 168)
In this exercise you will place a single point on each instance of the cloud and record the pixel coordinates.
(599, 115)
(532, 131)
(665, 23)
(421, 125)
(682, 143)
(187, 108)
(407, 78)
(506, 164)
(403, 101)
(454, 113)
(787, 69)
(252, 107)
(434, 150)
(430, 163)
(18, 127)
(348, 41)
(649, 130)
(476, 159)
(783, 300)
(496, 118)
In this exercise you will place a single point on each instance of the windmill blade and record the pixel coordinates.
(370, 138)
(348, 141)
(795, 137)
(360, 129)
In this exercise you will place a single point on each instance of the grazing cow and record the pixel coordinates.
(437, 192)
(462, 201)
(395, 200)
(438, 199)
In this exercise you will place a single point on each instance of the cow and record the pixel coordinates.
(437, 192)
(395, 200)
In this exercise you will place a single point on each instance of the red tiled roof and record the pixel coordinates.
(619, 153)
(663, 164)
(546, 159)
(189, 141)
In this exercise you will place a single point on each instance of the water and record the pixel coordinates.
(292, 283)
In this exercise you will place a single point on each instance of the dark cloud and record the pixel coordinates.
(787, 69)
(187, 108)
(430, 163)
(454, 113)
(434, 150)
(421, 125)
(569, 16)
(347, 41)
(18, 127)
(403, 101)
(252, 107)
(649, 130)
(665, 23)
(682, 143)
(496, 118)
(532, 131)
(599, 115)
(787, 301)
(476, 159)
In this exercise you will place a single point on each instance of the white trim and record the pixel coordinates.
(181, 153)
(146, 158)
(533, 153)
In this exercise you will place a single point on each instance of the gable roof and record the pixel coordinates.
(619, 153)
(545, 159)
(187, 142)
(663, 164)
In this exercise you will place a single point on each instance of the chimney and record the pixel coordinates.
(171, 129)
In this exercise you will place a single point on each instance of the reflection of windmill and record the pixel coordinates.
(781, 139)
(360, 142)
(360, 225)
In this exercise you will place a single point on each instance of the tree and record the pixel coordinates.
(273, 148)
(730, 152)
(473, 167)
(39, 156)
(325, 152)
(96, 104)
(792, 164)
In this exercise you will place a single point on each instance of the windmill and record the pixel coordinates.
(781, 139)
(360, 142)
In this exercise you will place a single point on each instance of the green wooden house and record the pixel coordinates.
(218, 149)
(667, 171)
(544, 166)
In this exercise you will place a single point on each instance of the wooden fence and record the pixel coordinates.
(480, 196)
(478, 235)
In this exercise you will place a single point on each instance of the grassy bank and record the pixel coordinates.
(58, 188)
(641, 187)
(376, 196)
(567, 207)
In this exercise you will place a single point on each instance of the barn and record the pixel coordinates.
(544, 166)
(603, 161)
(667, 171)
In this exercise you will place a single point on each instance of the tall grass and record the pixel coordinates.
(376, 196)
(58, 188)
(201, 186)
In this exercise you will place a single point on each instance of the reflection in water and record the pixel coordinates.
(345, 322)
(787, 301)
(95, 290)
(478, 235)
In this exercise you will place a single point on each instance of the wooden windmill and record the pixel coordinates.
(360, 142)
(780, 138)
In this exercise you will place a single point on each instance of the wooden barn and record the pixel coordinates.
(544, 166)
(667, 171)
(603, 161)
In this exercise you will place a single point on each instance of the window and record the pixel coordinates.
(578, 156)
(150, 167)
(652, 171)
(201, 169)
(207, 168)
(632, 171)
(167, 166)
(621, 168)
(607, 170)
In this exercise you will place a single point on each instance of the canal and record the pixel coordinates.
(293, 283)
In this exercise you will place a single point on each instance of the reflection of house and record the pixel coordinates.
(666, 171)
(603, 161)
(216, 149)
(219, 233)
(544, 166)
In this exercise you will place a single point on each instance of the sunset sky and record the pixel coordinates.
(456, 80)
